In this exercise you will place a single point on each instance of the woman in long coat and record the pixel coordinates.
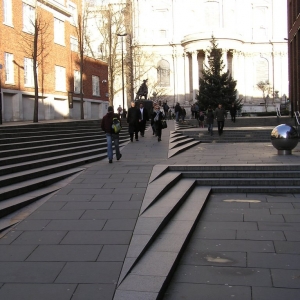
(156, 118)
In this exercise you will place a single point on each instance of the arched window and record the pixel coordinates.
(163, 73)
(262, 70)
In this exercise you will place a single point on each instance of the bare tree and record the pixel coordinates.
(36, 44)
(266, 89)
(80, 22)
(111, 20)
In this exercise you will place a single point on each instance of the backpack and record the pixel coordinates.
(201, 118)
(116, 125)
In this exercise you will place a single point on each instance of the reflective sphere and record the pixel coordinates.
(284, 138)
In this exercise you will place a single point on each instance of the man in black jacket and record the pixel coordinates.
(133, 122)
(106, 125)
(143, 118)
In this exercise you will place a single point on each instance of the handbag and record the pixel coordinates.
(164, 124)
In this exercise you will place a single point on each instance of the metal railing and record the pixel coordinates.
(278, 115)
(297, 121)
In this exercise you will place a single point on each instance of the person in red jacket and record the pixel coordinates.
(106, 125)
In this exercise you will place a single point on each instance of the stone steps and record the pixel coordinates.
(34, 156)
(173, 204)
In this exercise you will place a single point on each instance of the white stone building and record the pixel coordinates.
(177, 33)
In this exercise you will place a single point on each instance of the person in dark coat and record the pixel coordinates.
(210, 116)
(177, 111)
(133, 122)
(106, 125)
(233, 112)
(143, 118)
(220, 114)
(156, 118)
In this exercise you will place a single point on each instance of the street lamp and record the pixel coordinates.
(122, 35)
(0, 95)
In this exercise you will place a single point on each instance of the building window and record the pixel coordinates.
(73, 11)
(28, 72)
(96, 86)
(60, 78)
(162, 34)
(7, 12)
(76, 82)
(59, 32)
(74, 44)
(163, 73)
(28, 18)
(9, 68)
(262, 70)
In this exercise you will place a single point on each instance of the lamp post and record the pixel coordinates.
(273, 73)
(0, 95)
(122, 35)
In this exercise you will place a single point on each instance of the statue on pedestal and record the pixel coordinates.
(143, 91)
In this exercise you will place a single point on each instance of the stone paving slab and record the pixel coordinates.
(93, 219)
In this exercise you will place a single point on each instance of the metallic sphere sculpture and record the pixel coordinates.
(284, 138)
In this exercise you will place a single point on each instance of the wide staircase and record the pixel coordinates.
(245, 129)
(35, 157)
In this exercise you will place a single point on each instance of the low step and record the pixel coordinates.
(32, 184)
(152, 221)
(157, 264)
(182, 148)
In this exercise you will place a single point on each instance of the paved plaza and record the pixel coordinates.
(73, 246)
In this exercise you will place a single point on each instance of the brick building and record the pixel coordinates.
(58, 63)
(294, 52)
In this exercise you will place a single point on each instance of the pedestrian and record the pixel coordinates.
(192, 111)
(196, 111)
(201, 119)
(233, 112)
(106, 125)
(210, 116)
(143, 118)
(183, 114)
(169, 114)
(220, 115)
(177, 111)
(120, 111)
(166, 108)
(124, 114)
(133, 122)
(156, 118)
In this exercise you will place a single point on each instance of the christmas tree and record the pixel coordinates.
(216, 85)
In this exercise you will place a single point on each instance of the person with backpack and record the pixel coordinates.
(111, 125)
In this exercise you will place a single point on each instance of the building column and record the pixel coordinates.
(186, 77)
(206, 54)
(224, 58)
(195, 73)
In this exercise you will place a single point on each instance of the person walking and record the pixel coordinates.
(183, 114)
(220, 115)
(233, 112)
(210, 116)
(177, 111)
(156, 118)
(143, 118)
(120, 111)
(133, 122)
(201, 119)
(196, 111)
(106, 126)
